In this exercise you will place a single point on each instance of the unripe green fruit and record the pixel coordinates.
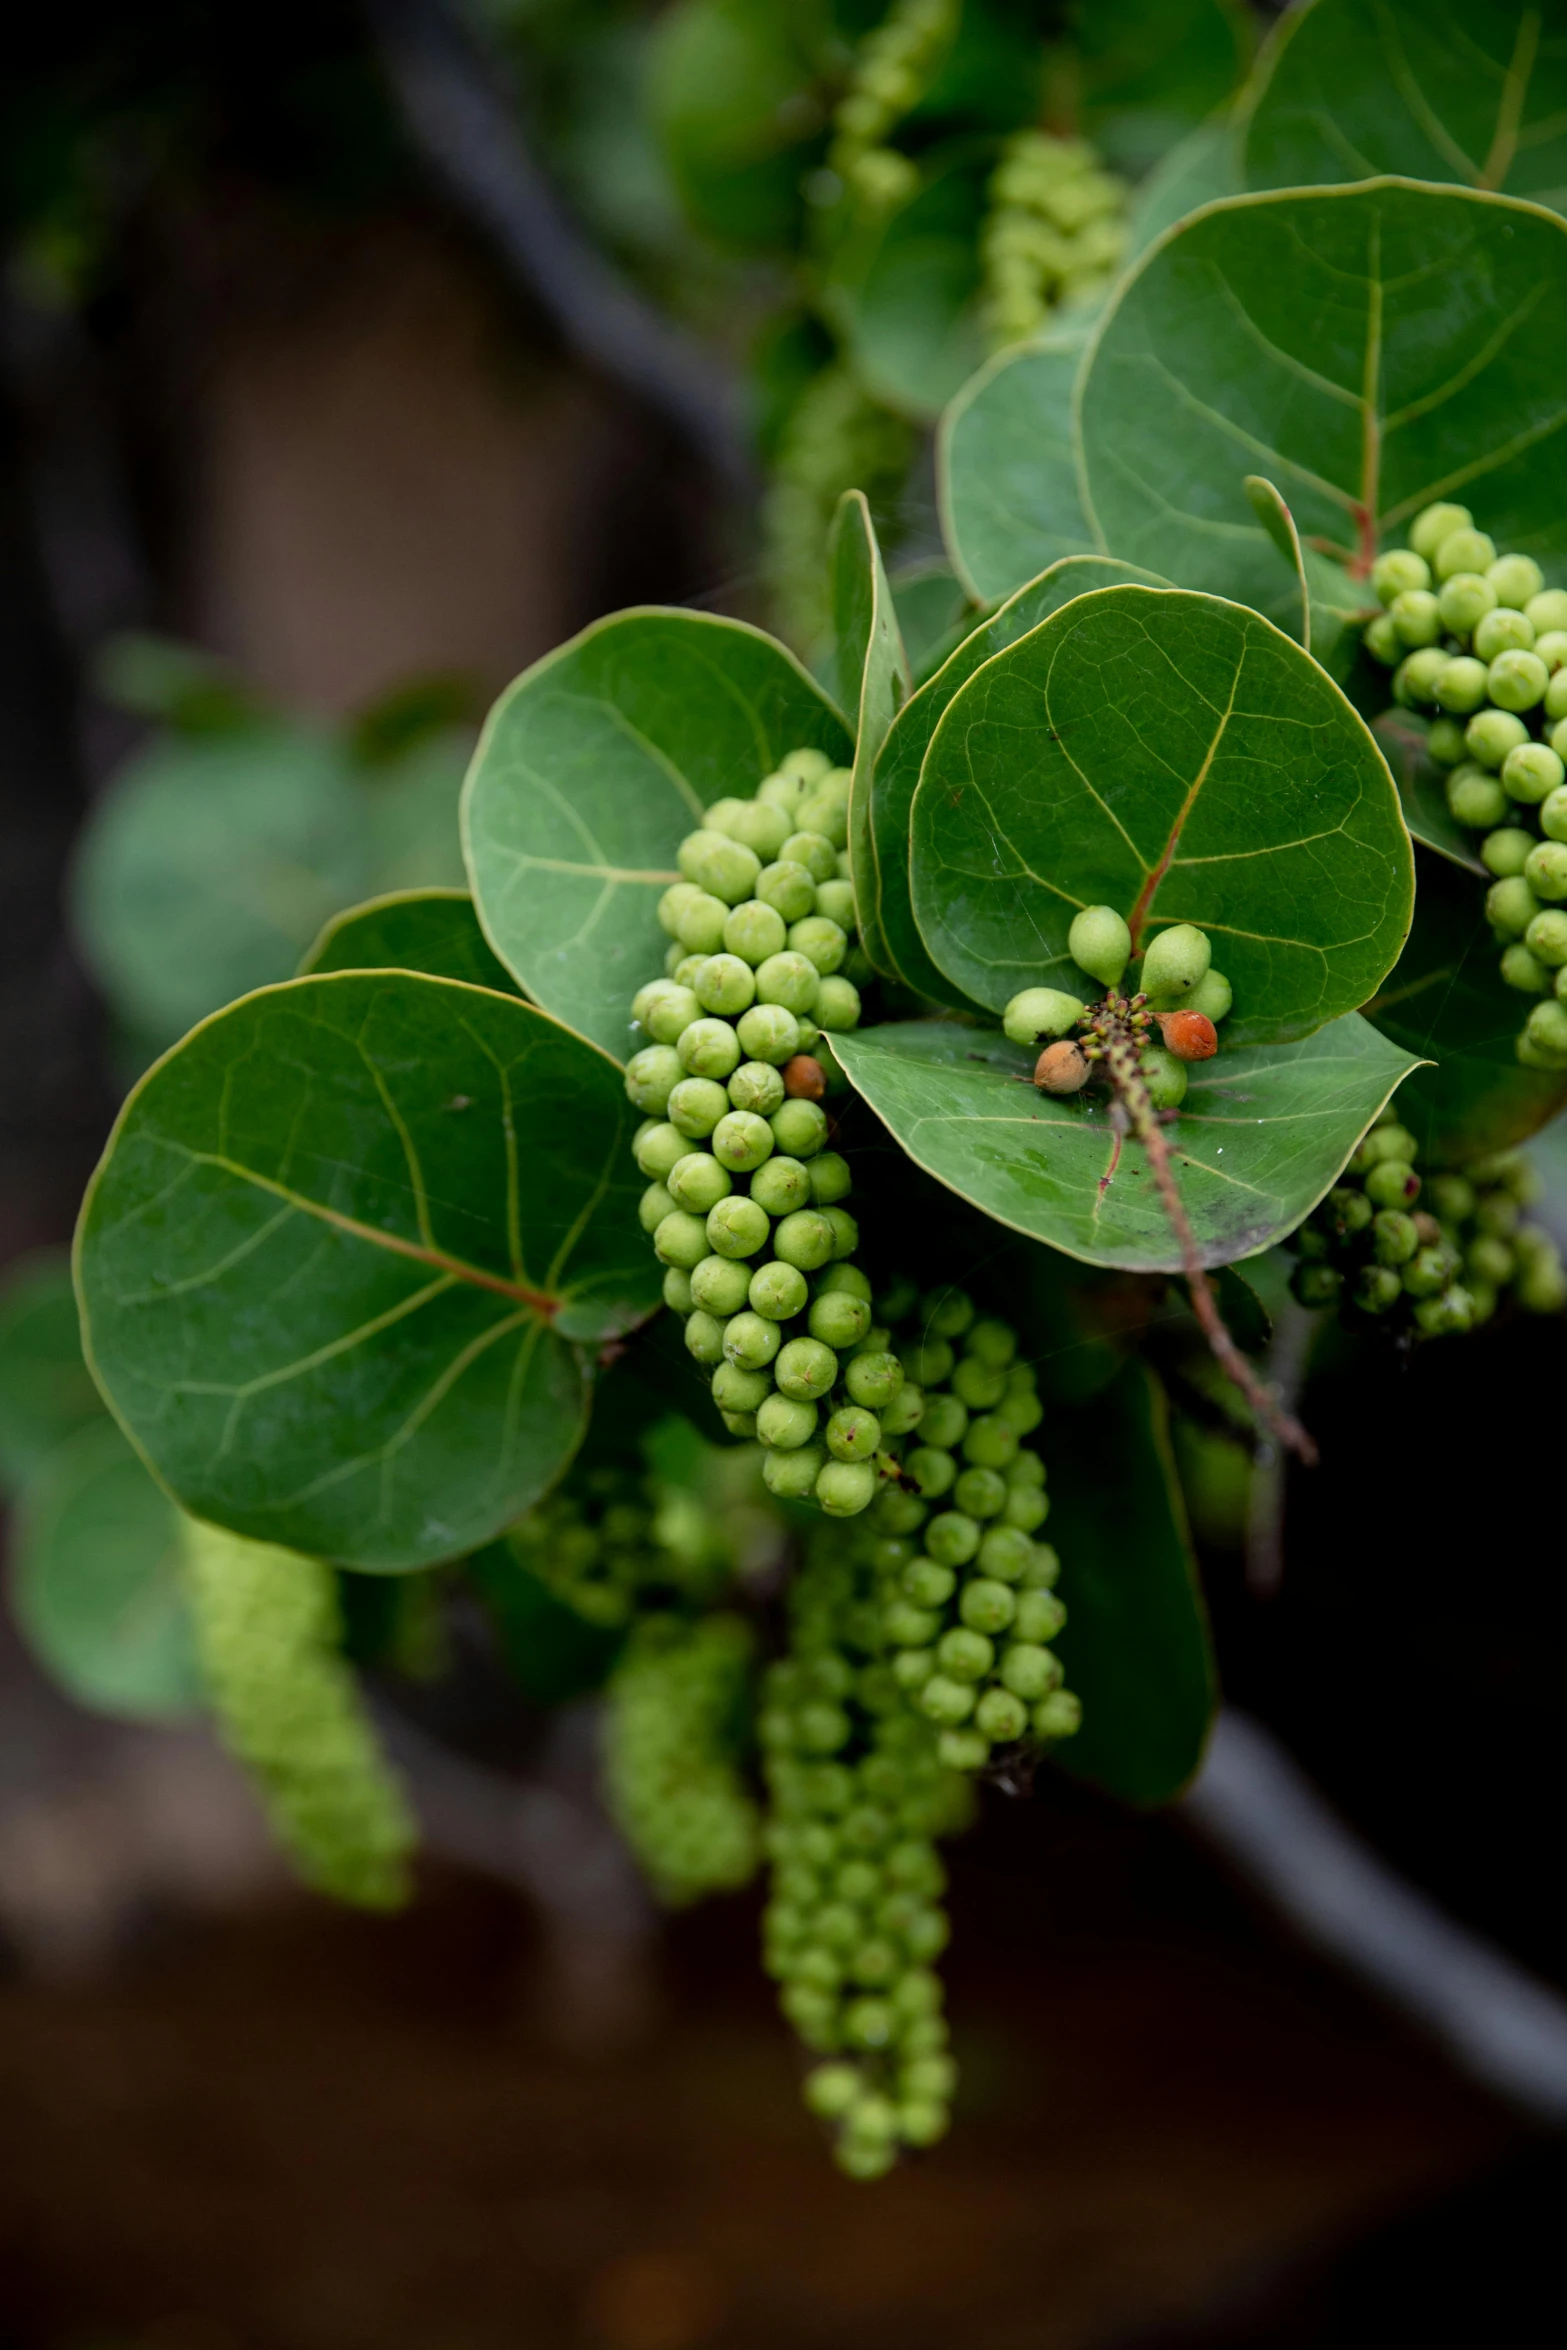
(1517, 579)
(1445, 1316)
(926, 1584)
(1556, 707)
(1490, 1261)
(1462, 550)
(1510, 906)
(657, 1147)
(977, 1385)
(1532, 772)
(1546, 1029)
(1026, 1508)
(1458, 685)
(799, 1128)
(670, 1013)
(1316, 1285)
(804, 1239)
(1552, 648)
(944, 1420)
(651, 1077)
(845, 1231)
(1165, 1077)
(698, 1182)
(982, 1492)
(1174, 963)
(814, 851)
(709, 1048)
(1040, 1616)
(681, 1240)
(1100, 944)
(1005, 1552)
(1445, 742)
(752, 932)
(1397, 571)
(912, 1667)
(946, 1701)
(1504, 852)
(832, 2088)
(742, 1140)
(1548, 610)
(1058, 1716)
(824, 816)
(1344, 1212)
(1553, 820)
(844, 1488)
(835, 899)
(1475, 797)
(1546, 939)
(1428, 1272)
(1027, 1469)
(673, 903)
(1378, 1289)
(790, 980)
(1383, 642)
(788, 888)
(1044, 1569)
(1415, 679)
(1212, 996)
(872, 1379)
(1463, 601)
(1392, 1183)
(847, 1279)
(990, 1443)
(824, 945)
(1450, 1197)
(696, 1105)
(750, 1341)
(724, 984)
(1435, 523)
(701, 932)
(806, 1369)
(986, 1606)
(952, 1539)
(853, 1434)
(704, 1336)
(785, 1424)
(778, 1291)
(792, 1475)
(840, 1322)
(1000, 1716)
(762, 827)
(1491, 734)
(655, 1204)
(721, 1285)
(735, 1390)
(932, 1470)
(677, 1290)
(1517, 681)
(838, 1004)
(1387, 1140)
(1029, 1671)
(737, 1227)
(724, 868)
(1503, 631)
(1545, 870)
(755, 1086)
(781, 1185)
(1040, 1012)
(1416, 616)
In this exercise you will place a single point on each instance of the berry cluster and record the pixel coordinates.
(1426, 1271)
(836, 437)
(858, 1796)
(1481, 640)
(892, 69)
(1054, 235)
(673, 1727)
(1178, 991)
(743, 1199)
(604, 1546)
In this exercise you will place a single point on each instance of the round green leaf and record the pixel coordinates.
(1368, 349)
(1472, 91)
(96, 1581)
(1006, 469)
(46, 1390)
(933, 614)
(591, 770)
(1135, 1646)
(340, 1256)
(1180, 759)
(1446, 1000)
(1260, 1137)
(908, 739)
(1202, 168)
(873, 678)
(902, 290)
(431, 930)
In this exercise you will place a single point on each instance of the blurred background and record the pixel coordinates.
(351, 357)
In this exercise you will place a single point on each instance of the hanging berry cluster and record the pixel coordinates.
(893, 67)
(675, 1730)
(606, 1543)
(1054, 235)
(1481, 641)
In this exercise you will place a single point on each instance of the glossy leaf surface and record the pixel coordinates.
(1368, 349)
(1447, 1001)
(435, 931)
(1260, 1137)
(96, 1581)
(46, 1389)
(1136, 1646)
(342, 1251)
(1007, 469)
(908, 739)
(591, 770)
(1471, 91)
(1178, 758)
(873, 679)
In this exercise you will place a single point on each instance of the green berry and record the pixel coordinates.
(1491, 734)
(927, 1584)
(755, 1086)
(1503, 631)
(1459, 685)
(985, 1606)
(750, 1341)
(724, 868)
(788, 889)
(696, 1105)
(1394, 573)
(778, 1291)
(1165, 1077)
(737, 1227)
(1005, 1552)
(804, 1238)
(990, 1443)
(952, 1538)
(822, 944)
(658, 1147)
(1505, 851)
(762, 826)
(1100, 944)
(1532, 772)
(1510, 906)
(932, 1470)
(1025, 1508)
(1428, 1272)
(709, 1048)
(1556, 705)
(1058, 1715)
(799, 1128)
(840, 1322)
(831, 2089)
(792, 1475)
(826, 817)
(791, 980)
(769, 1033)
(681, 1240)
(946, 1701)
(1174, 963)
(704, 1336)
(735, 1390)
(1435, 523)
(1517, 580)
(1546, 1029)
(1040, 1012)
(677, 1290)
(1553, 823)
(1212, 996)
(1001, 1716)
(781, 1186)
(976, 1385)
(656, 1203)
(1377, 1289)
(724, 984)
(701, 932)
(721, 1285)
(1460, 550)
(742, 1140)
(814, 851)
(753, 931)
(1546, 938)
(1552, 648)
(1517, 680)
(785, 1424)
(1445, 742)
(670, 1013)
(673, 903)
(1415, 679)
(981, 1492)
(838, 1004)
(845, 1278)
(652, 1075)
(872, 1380)
(1394, 1237)
(1476, 798)
(853, 1434)
(909, 1626)
(1040, 1616)
(806, 1369)
(1463, 601)
(1029, 1670)
(1383, 642)
(1392, 1183)
(1316, 1285)
(1416, 616)
(844, 1488)
(1548, 610)
(1545, 870)
(944, 1420)
(699, 1182)
(835, 899)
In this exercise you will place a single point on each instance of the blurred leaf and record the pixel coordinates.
(1154, 70)
(1007, 469)
(330, 1297)
(46, 1389)
(1136, 1646)
(410, 812)
(96, 1581)
(178, 684)
(1200, 170)
(553, 1653)
(901, 290)
(734, 98)
(404, 719)
(435, 931)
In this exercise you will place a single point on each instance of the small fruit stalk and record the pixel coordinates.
(1184, 997)
(1479, 641)
(1424, 1259)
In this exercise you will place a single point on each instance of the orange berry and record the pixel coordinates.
(1061, 1068)
(803, 1079)
(1191, 1036)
